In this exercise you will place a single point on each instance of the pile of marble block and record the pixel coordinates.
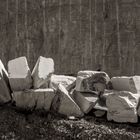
(41, 88)
(68, 95)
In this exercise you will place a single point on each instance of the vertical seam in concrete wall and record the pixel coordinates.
(60, 32)
(133, 54)
(70, 48)
(26, 30)
(80, 30)
(90, 36)
(44, 21)
(70, 10)
(95, 30)
(134, 50)
(7, 9)
(104, 35)
(17, 39)
(118, 35)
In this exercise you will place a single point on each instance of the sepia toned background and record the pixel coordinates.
(77, 34)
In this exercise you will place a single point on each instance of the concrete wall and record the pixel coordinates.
(77, 34)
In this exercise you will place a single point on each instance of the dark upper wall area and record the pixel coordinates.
(77, 34)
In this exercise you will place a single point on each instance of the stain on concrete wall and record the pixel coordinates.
(77, 34)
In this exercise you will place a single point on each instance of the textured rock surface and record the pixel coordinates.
(5, 92)
(42, 71)
(91, 81)
(19, 74)
(123, 83)
(65, 104)
(86, 101)
(122, 106)
(68, 82)
(34, 99)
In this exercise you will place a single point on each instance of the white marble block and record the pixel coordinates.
(122, 106)
(37, 99)
(124, 83)
(19, 74)
(68, 82)
(42, 71)
(88, 81)
(86, 101)
(65, 104)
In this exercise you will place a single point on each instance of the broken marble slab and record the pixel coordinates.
(86, 101)
(3, 72)
(42, 71)
(125, 83)
(88, 81)
(122, 106)
(34, 99)
(65, 105)
(68, 82)
(5, 92)
(19, 74)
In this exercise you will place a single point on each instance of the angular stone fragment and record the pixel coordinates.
(65, 104)
(68, 82)
(122, 106)
(88, 81)
(124, 83)
(37, 99)
(5, 92)
(42, 71)
(19, 74)
(86, 101)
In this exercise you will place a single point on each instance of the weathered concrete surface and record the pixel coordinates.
(19, 74)
(131, 84)
(42, 71)
(122, 106)
(86, 101)
(65, 105)
(68, 82)
(77, 34)
(34, 99)
(88, 81)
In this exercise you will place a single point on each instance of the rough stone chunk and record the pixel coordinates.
(65, 104)
(88, 81)
(19, 74)
(34, 99)
(101, 103)
(42, 71)
(124, 83)
(5, 92)
(122, 106)
(68, 82)
(86, 101)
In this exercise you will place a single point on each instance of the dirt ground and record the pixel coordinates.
(21, 125)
